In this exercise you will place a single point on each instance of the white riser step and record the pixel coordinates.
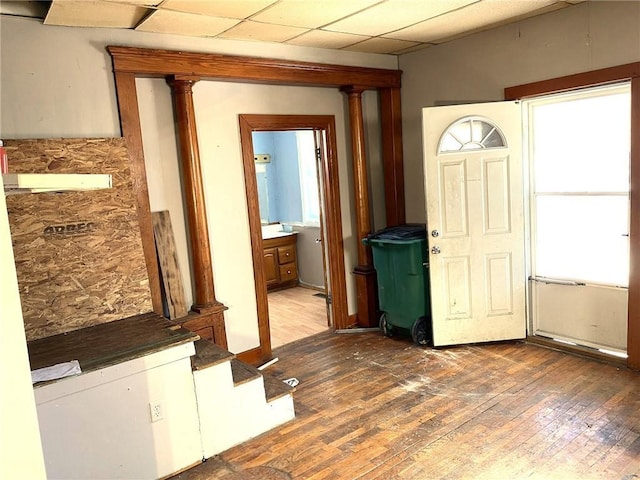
(234, 413)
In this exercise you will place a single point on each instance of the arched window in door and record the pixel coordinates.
(471, 133)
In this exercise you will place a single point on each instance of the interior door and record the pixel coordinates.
(474, 203)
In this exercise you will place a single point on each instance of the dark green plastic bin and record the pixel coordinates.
(401, 263)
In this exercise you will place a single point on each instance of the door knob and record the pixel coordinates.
(318, 240)
(435, 233)
(435, 250)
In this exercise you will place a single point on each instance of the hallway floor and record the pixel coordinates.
(296, 313)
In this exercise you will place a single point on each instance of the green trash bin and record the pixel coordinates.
(401, 263)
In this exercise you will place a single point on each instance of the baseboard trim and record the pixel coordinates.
(252, 357)
(575, 349)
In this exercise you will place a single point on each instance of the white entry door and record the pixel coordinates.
(474, 200)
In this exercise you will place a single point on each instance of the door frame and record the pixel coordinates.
(331, 208)
(630, 72)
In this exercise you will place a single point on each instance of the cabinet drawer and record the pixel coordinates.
(287, 254)
(288, 272)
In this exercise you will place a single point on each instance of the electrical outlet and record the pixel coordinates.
(156, 411)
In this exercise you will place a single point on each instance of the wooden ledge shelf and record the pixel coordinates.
(15, 183)
(110, 343)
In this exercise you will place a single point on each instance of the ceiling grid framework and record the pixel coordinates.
(371, 26)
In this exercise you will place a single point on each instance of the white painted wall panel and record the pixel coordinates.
(98, 425)
(20, 451)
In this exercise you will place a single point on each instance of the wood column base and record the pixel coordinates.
(367, 291)
(208, 322)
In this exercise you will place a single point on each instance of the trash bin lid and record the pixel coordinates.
(409, 231)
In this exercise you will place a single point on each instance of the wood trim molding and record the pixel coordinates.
(156, 62)
(633, 328)
(331, 193)
(132, 132)
(630, 71)
(391, 119)
(571, 82)
(130, 62)
(254, 357)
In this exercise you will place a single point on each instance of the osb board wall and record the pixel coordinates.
(79, 256)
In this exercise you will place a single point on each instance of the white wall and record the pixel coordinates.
(98, 425)
(57, 81)
(579, 38)
(19, 436)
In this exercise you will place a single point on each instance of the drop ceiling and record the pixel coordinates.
(373, 26)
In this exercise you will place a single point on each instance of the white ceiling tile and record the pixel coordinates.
(218, 8)
(472, 18)
(93, 13)
(180, 23)
(420, 46)
(393, 15)
(24, 8)
(311, 13)
(381, 45)
(324, 39)
(265, 32)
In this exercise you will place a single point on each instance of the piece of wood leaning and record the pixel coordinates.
(169, 266)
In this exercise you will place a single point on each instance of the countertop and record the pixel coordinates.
(109, 343)
(274, 231)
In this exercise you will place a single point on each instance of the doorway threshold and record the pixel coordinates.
(580, 350)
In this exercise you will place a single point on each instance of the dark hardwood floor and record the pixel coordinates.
(369, 407)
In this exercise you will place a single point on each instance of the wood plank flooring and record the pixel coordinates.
(374, 408)
(295, 313)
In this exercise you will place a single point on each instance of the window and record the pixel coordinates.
(580, 185)
(471, 133)
(308, 178)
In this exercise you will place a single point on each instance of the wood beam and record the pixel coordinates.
(156, 62)
(205, 302)
(132, 62)
(132, 132)
(391, 132)
(366, 284)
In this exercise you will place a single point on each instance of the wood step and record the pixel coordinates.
(209, 354)
(242, 372)
(275, 388)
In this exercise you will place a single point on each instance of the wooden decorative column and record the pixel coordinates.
(366, 284)
(210, 311)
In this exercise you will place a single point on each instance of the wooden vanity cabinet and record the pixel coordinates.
(280, 262)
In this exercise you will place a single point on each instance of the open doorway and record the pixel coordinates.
(290, 203)
(275, 264)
